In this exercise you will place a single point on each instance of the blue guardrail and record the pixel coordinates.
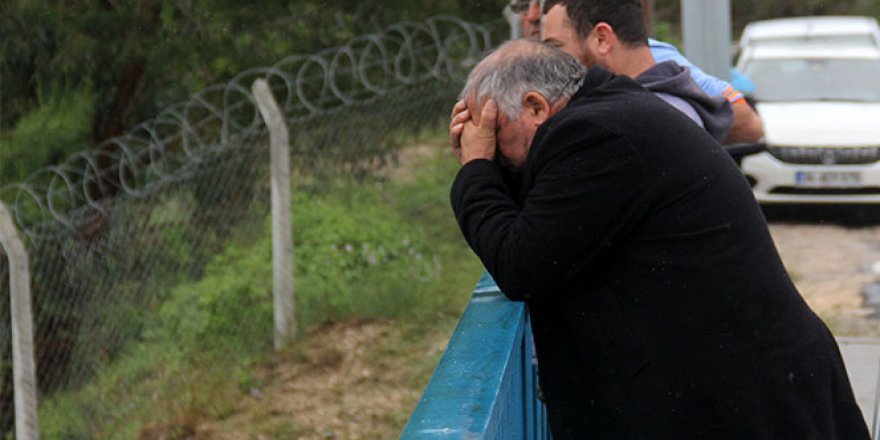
(485, 384)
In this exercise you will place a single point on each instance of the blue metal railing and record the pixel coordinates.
(485, 384)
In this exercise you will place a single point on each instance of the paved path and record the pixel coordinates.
(862, 358)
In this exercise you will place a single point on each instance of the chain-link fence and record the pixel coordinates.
(117, 234)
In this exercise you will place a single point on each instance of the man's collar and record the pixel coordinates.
(595, 77)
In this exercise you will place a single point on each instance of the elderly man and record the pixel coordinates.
(612, 33)
(659, 305)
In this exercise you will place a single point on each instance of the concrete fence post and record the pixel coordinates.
(706, 29)
(282, 228)
(513, 21)
(23, 371)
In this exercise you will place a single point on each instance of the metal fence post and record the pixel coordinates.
(282, 229)
(23, 371)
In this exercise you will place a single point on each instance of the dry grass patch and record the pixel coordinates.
(351, 380)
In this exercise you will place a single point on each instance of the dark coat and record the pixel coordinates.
(660, 306)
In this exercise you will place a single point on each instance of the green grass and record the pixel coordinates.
(377, 250)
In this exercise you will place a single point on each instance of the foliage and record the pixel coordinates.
(208, 314)
(363, 250)
(123, 62)
(54, 129)
(90, 69)
(353, 239)
(667, 13)
(745, 11)
(357, 253)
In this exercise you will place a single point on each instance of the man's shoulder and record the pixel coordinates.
(663, 51)
(590, 111)
(600, 122)
(602, 89)
(606, 105)
(662, 69)
(623, 115)
(613, 103)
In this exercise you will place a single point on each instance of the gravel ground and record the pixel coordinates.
(831, 263)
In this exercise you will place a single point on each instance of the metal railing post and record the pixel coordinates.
(282, 229)
(875, 424)
(485, 384)
(23, 371)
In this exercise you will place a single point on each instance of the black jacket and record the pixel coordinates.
(660, 306)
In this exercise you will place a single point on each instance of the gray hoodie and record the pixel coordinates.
(673, 84)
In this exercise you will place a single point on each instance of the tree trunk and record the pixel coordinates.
(114, 119)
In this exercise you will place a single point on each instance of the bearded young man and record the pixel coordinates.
(612, 34)
(659, 304)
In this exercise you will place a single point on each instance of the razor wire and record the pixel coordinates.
(307, 87)
(113, 230)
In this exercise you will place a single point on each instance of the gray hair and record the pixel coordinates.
(521, 66)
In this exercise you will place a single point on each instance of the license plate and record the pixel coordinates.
(829, 179)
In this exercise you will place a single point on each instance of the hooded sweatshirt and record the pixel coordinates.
(673, 84)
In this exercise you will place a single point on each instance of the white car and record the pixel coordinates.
(798, 31)
(821, 111)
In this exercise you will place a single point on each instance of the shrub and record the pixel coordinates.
(362, 250)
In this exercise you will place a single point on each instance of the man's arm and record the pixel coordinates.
(585, 195)
(747, 125)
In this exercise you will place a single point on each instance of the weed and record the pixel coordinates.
(375, 249)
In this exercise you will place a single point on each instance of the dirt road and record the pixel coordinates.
(831, 264)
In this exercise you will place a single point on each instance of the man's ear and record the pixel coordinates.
(536, 107)
(604, 37)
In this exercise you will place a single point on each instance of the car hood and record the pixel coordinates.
(821, 123)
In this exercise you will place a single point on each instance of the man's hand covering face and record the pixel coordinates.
(469, 140)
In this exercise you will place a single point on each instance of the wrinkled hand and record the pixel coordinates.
(460, 115)
(479, 141)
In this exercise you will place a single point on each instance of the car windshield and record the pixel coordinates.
(815, 79)
(799, 40)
